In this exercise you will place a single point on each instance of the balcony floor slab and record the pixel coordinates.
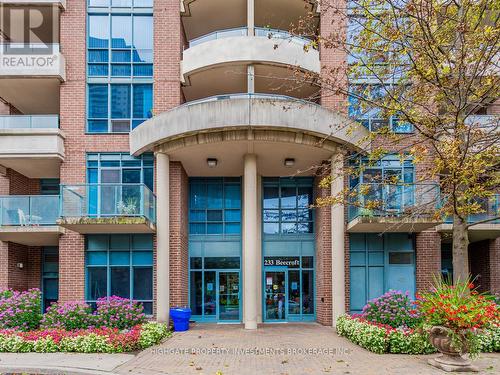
(389, 224)
(32, 235)
(88, 225)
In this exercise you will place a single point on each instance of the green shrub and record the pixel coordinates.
(379, 338)
(152, 333)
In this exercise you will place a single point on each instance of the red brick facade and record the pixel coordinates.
(323, 258)
(178, 235)
(428, 258)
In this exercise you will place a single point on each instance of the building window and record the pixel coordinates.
(215, 206)
(388, 170)
(118, 108)
(120, 265)
(119, 65)
(120, 168)
(372, 117)
(120, 45)
(286, 205)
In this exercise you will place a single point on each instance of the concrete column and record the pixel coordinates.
(251, 17)
(338, 241)
(162, 237)
(250, 79)
(250, 235)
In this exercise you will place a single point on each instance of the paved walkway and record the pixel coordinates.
(281, 349)
(210, 349)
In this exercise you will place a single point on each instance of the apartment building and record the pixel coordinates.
(157, 150)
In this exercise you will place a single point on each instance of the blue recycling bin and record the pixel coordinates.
(180, 316)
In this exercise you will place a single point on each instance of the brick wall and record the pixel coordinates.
(22, 185)
(494, 259)
(323, 258)
(178, 235)
(428, 258)
(333, 60)
(71, 267)
(11, 276)
(167, 55)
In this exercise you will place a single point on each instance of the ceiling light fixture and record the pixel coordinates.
(212, 162)
(289, 162)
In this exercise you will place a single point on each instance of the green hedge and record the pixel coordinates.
(379, 338)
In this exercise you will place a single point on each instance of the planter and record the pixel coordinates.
(450, 359)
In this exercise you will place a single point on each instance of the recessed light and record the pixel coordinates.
(289, 162)
(212, 162)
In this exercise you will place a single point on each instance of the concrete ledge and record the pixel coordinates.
(88, 225)
(363, 224)
(477, 232)
(47, 235)
(257, 113)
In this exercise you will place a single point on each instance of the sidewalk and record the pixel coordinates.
(210, 349)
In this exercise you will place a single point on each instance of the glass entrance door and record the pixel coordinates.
(229, 296)
(275, 295)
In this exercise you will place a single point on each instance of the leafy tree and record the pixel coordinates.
(428, 66)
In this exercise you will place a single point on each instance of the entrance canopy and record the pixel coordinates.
(227, 127)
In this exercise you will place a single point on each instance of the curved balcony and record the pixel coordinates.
(383, 207)
(217, 63)
(224, 127)
(32, 145)
(108, 208)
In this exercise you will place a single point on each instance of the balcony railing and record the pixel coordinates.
(396, 125)
(243, 31)
(107, 201)
(249, 96)
(386, 200)
(29, 122)
(29, 210)
(490, 206)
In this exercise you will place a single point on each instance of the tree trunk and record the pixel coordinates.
(460, 250)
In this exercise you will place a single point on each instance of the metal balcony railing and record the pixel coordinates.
(29, 122)
(243, 31)
(108, 200)
(385, 200)
(29, 210)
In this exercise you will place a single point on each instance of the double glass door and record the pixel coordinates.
(216, 295)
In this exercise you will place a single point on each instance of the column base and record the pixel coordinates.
(250, 325)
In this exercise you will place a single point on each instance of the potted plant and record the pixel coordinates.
(453, 315)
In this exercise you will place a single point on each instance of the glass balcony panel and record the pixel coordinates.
(108, 200)
(383, 199)
(29, 122)
(25, 210)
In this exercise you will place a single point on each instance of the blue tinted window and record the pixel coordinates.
(98, 31)
(286, 206)
(214, 206)
(114, 267)
(98, 101)
(120, 101)
(143, 101)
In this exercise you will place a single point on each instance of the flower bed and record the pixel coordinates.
(382, 338)
(91, 340)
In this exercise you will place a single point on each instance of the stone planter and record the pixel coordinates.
(450, 359)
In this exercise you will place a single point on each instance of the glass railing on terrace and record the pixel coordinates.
(385, 200)
(396, 125)
(491, 210)
(29, 122)
(29, 210)
(243, 31)
(13, 48)
(248, 96)
(108, 200)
